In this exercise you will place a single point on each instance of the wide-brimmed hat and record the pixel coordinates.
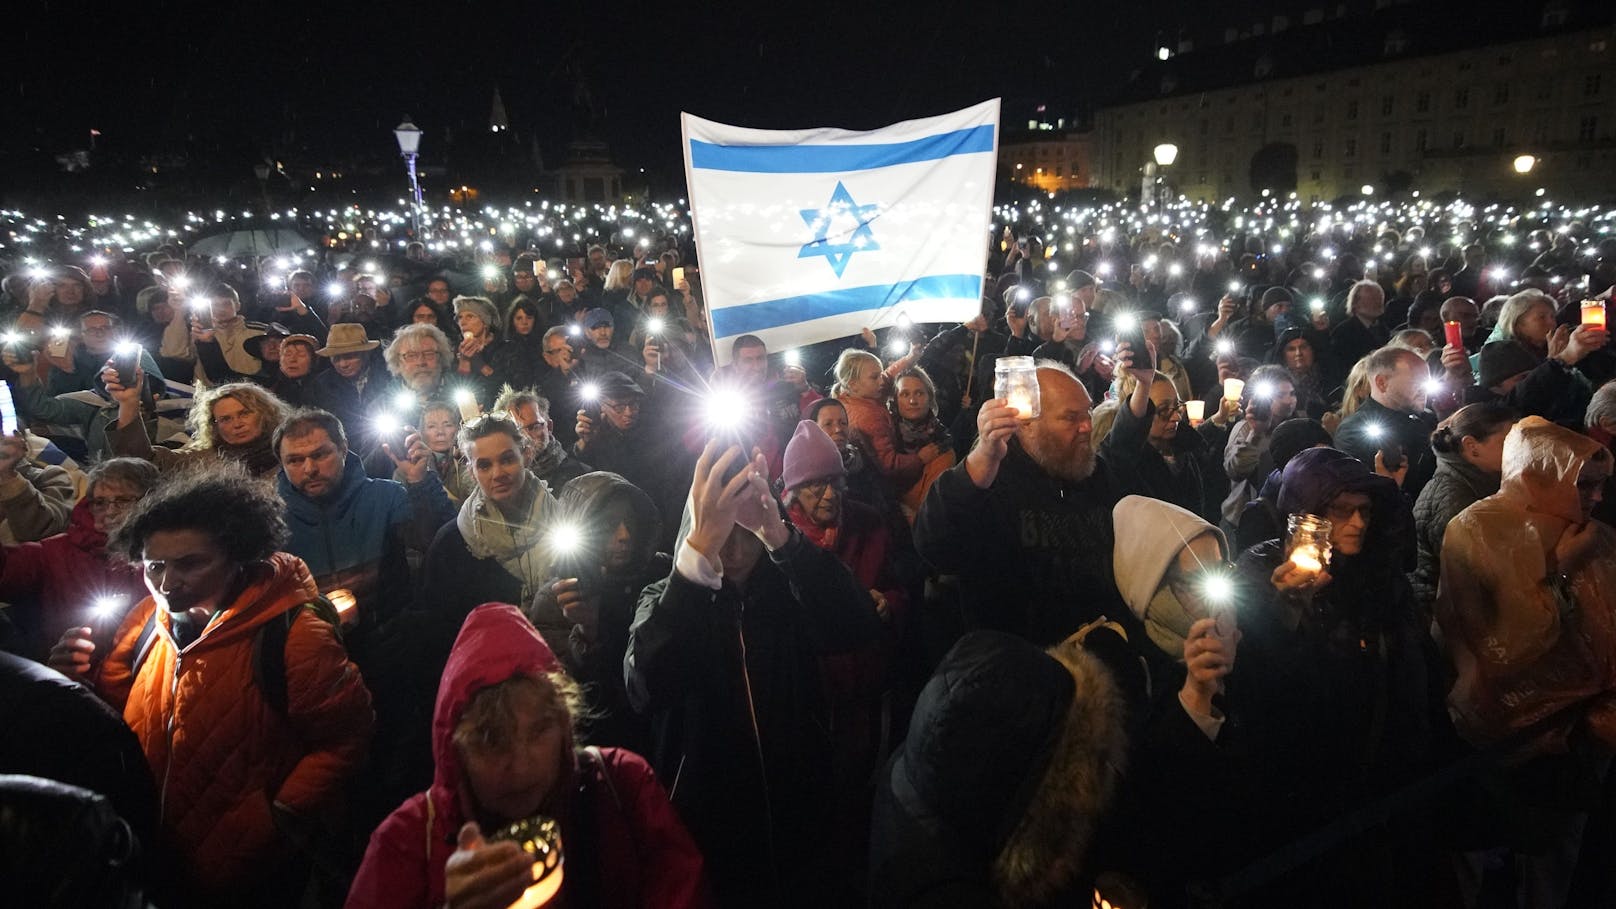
(254, 346)
(347, 338)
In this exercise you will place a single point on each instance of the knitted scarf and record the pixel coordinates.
(548, 457)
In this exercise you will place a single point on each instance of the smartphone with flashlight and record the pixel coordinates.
(1391, 452)
(57, 346)
(126, 359)
(8, 411)
(678, 275)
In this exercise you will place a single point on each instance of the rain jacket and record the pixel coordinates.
(624, 845)
(985, 806)
(1526, 640)
(62, 576)
(221, 754)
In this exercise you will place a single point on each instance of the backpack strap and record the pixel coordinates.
(144, 643)
(269, 649)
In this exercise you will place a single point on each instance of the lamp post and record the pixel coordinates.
(1165, 154)
(409, 145)
(1524, 163)
(261, 171)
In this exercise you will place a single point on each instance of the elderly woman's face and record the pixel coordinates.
(1536, 325)
(471, 323)
(821, 500)
(513, 774)
(296, 360)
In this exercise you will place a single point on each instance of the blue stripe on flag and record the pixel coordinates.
(753, 317)
(829, 159)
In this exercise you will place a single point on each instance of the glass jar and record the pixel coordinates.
(1015, 379)
(540, 838)
(1307, 541)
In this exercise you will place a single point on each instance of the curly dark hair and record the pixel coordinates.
(240, 511)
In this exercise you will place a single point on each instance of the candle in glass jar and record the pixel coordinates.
(541, 893)
(343, 599)
(1307, 559)
(1232, 389)
(1196, 411)
(1593, 314)
(467, 403)
(1015, 379)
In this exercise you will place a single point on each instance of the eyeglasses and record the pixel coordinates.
(419, 356)
(1169, 411)
(621, 407)
(99, 504)
(818, 488)
(1340, 514)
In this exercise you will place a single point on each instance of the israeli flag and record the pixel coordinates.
(809, 235)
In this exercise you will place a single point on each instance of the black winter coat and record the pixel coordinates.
(1033, 552)
(731, 679)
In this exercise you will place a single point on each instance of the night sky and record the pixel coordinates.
(321, 85)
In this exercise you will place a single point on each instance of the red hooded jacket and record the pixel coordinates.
(643, 855)
(66, 573)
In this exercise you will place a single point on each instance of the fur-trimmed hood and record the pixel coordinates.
(1011, 759)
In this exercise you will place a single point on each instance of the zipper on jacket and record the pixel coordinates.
(168, 760)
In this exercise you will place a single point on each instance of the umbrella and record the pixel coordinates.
(251, 243)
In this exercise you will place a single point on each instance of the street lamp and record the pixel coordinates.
(261, 171)
(1525, 163)
(409, 144)
(1165, 154)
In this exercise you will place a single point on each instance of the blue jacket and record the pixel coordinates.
(357, 538)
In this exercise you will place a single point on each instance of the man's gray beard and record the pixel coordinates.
(1073, 465)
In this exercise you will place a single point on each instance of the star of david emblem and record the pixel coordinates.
(841, 219)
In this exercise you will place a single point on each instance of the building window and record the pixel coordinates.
(1203, 126)
(1545, 89)
(1422, 103)
(1590, 85)
(1498, 137)
(1352, 110)
(1284, 121)
(1316, 174)
(1461, 99)
(1257, 120)
(1350, 149)
(1501, 93)
(1420, 138)
(1318, 149)
(1228, 125)
(1386, 105)
(1458, 139)
(1385, 143)
(1587, 129)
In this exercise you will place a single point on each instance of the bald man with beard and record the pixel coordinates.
(1025, 519)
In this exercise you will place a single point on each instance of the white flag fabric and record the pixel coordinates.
(809, 235)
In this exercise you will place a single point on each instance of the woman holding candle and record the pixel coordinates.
(481, 347)
(1333, 681)
(503, 749)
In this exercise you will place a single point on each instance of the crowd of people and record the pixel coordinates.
(1275, 569)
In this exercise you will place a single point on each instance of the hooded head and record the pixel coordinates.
(1013, 794)
(601, 507)
(1316, 477)
(1551, 470)
(1150, 536)
(496, 644)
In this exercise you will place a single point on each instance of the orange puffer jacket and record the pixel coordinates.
(220, 753)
